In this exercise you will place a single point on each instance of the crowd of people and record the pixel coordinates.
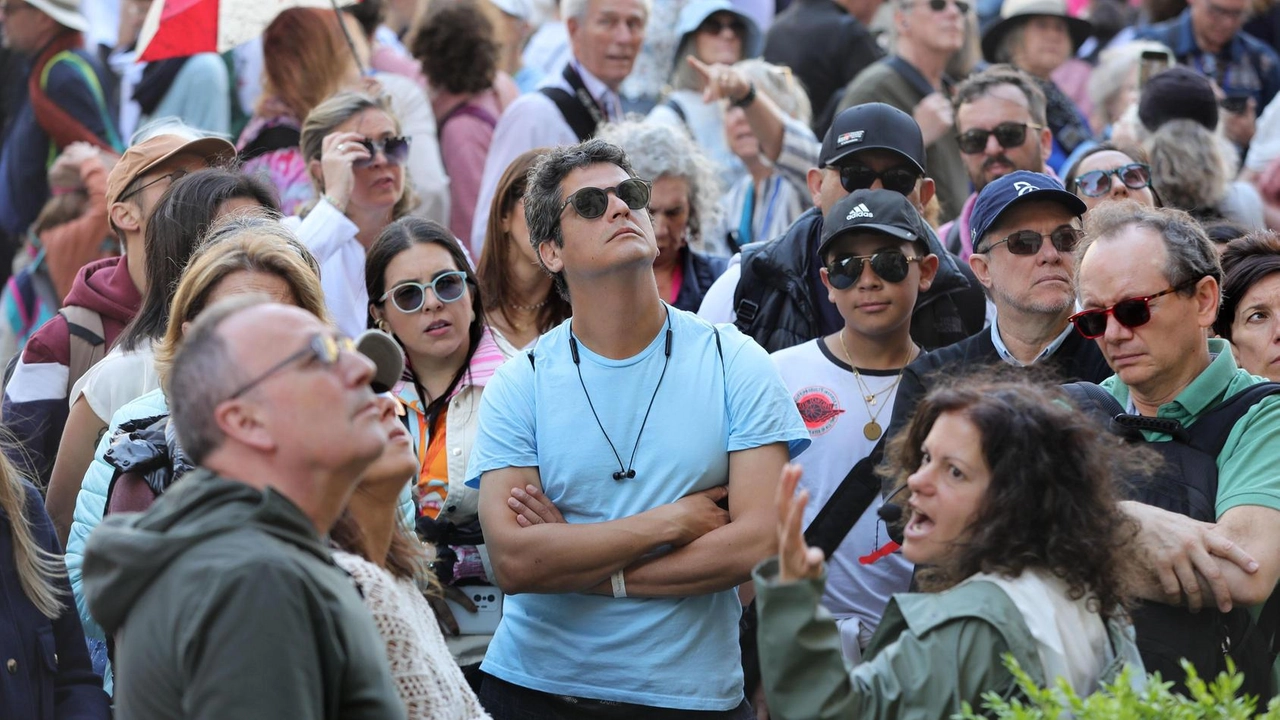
(592, 359)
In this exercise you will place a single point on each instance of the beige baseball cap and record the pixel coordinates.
(145, 156)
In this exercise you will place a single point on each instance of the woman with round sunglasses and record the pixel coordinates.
(423, 292)
(1105, 172)
(356, 159)
(1249, 317)
(682, 201)
(712, 32)
(1010, 514)
(520, 301)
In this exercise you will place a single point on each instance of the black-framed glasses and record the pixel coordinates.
(717, 26)
(1009, 135)
(395, 149)
(323, 347)
(591, 202)
(172, 177)
(1028, 242)
(900, 179)
(889, 265)
(1131, 312)
(1097, 183)
(940, 5)
(409, 296)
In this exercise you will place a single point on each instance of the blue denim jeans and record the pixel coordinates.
(505, 701)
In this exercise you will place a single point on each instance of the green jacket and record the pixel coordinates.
(930, 653)
(224, 603)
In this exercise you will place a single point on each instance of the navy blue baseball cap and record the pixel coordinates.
(1005, 192)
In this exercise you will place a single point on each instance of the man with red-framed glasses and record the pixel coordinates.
(1149, 288)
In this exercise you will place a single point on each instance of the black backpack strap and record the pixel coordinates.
(750, 291)
(1096, 401)
(273, 138)
(672, 104)
(1209, 433)
(578, 107)
(848, 503)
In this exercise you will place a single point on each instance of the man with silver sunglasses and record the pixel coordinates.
(279, 414)
(603, 458)
(1148, 281)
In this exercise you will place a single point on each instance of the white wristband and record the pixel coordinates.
(619, 585)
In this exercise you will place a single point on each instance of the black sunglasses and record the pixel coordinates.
(591, 202)
(1131, 313)
(322, 347)
(940, 5)
(1096, 183)
(889, 265)
(1028, 242)
(409, 296)
(715, 27)
(395, 149)
(1009, 135)
(901, 179)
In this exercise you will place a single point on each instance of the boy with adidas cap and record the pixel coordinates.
(875, 264)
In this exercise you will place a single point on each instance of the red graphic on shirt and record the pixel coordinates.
(819, 407)
(885, 551)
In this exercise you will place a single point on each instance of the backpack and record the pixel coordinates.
(1187, 484)
(88, 340)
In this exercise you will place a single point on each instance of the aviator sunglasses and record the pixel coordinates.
(1132, 312)
(409, 296)
(901, 179)
(1096, 183)
(395, 149)
(1009, 135)
(1028, 242)
(591, 202)
(890, 265)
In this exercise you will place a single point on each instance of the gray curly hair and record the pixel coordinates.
(657, 150)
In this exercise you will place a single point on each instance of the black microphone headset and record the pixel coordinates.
(891, 514)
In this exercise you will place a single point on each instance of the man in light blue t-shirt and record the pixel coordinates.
(632, 421)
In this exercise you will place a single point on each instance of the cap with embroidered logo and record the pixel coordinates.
(877, 211)
(1009, 190)
(872, 126)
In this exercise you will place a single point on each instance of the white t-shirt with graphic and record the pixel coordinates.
(863, 573)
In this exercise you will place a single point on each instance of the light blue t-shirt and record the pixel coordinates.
(670, 652)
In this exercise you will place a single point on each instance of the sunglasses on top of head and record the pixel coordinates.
(395, 149)
(1028, 242)
(1097, 183)
(901, 179)
(1131, 312)
(1009, 135)
(591, 202)
(410, 296)
(889, 265)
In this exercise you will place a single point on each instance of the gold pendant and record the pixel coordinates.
(869, 399)
(872, 430)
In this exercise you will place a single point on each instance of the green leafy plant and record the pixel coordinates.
(1118, 700)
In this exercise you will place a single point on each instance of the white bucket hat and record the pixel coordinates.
(64, 12)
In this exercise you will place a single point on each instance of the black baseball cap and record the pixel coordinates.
(873, 126)
(878, 211)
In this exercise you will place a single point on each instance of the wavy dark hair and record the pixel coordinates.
(1052, 499)
(497, 254)
(457, 49)
(175, 229)
(396, 238)
(1246, 262)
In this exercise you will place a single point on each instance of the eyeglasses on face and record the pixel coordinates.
(1097, 183)
(1131, 312)
(172, 177)
(591, 202)
(322, 347)
(1009, 135)
(715, 26)
(901, 179)
(1028, 242)
(889, 265)
(940, 5)
(394, 149)
(410, 297)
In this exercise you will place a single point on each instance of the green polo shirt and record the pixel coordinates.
(1247, 465)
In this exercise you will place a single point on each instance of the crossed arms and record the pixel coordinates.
(714, 550)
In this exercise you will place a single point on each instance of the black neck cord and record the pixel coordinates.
(624, 471)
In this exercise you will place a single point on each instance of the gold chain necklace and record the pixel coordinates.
(872, 430)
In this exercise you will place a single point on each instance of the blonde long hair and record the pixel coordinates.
(38, 569)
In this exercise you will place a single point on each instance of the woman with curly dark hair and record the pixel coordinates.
(1010, 514)
(459, 56)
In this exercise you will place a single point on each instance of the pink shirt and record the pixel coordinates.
(464, 143)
